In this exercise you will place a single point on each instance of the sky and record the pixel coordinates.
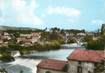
(64, 14)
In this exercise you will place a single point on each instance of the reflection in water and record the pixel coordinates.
(28, 63)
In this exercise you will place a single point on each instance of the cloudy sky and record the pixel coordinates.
(75, 14)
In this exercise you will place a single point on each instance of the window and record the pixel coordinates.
(89, 71)
(79, 63)
(48, 72)
(79, 69)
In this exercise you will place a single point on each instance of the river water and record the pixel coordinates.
(28, 64)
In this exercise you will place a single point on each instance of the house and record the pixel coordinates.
(85, 61)
(29, 38)
(79, 61)
(81, 34)
(52, 66)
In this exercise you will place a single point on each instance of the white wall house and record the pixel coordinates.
(80, 61)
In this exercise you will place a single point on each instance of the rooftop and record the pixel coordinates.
(87, 55)
(57, 65)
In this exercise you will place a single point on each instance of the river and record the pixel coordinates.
(28, 64)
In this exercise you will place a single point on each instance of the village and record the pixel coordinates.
(27, 39)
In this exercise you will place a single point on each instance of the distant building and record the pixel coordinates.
(81, 34)
(80, 61)
(29, 39)
(103, 29)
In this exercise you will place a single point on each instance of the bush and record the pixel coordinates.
(6, 58)
(96, 44)
(71, 41)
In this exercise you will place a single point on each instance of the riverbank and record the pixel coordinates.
(6, 58)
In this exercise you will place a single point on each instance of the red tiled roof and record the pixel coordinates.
(102, 53)
(87, 55)
(53, 64)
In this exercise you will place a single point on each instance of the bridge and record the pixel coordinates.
(71, 46)
(78, 38)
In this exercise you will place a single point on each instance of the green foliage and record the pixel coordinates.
(103, 29)
(71, 41)
(6, 58)
(13, 46)
(5, 55)
(44, 36)
(47, 46)
(98, 44)
(95, 45)
(88, 38)
(52, 45)
(4, 49)
(75, 31)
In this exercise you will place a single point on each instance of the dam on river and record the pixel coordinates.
(71, 46)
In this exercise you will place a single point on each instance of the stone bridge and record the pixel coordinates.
(78, 38)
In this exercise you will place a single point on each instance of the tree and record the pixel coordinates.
(55, 30)
(98, 44)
